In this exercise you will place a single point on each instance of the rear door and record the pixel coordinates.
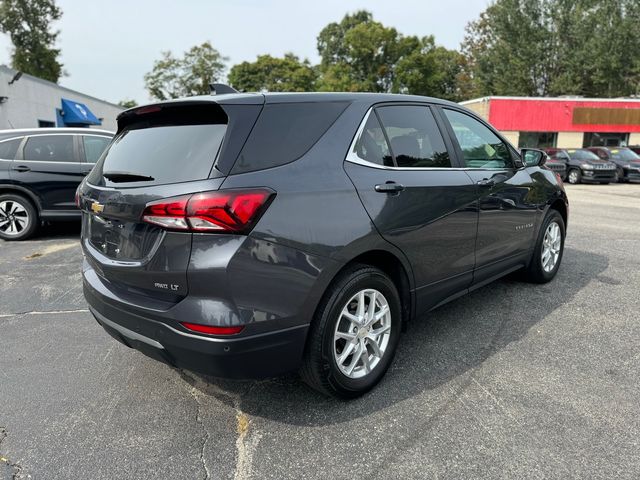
(49, 165)
(507, 196)
(402, 168)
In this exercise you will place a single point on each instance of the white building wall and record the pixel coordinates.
(30, 99)
(634, 139)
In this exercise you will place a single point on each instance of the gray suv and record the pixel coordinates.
(249, 235)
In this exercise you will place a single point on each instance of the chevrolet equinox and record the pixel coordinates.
(249, 235)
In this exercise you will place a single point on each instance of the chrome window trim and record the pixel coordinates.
(352, 156)
(52, 134)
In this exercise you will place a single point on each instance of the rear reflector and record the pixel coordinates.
(210, 330)
(223, 211)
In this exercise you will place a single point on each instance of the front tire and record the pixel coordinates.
(18, 217)
(548, 251)
(574, 176)
(354, 333)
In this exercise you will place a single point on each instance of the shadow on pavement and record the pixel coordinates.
(449, 342)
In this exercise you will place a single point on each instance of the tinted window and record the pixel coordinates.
(284, 132)
(371, 146)
(93, 147)
(414, 136)
(582, 155)
(168, 154)
(624, 154)
(481, 148)
(50, 148)
(9, 148)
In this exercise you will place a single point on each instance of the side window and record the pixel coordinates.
(93, 147)
(9, 148)
(481, 148)
(371, 146)
(414, 136)
(50, 148)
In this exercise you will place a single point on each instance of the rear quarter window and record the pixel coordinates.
(285, 132)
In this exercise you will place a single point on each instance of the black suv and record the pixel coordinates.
(40, 170)
(627, 161)
(584, 166)
(248, 235)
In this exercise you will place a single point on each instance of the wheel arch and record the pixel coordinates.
(25, 192)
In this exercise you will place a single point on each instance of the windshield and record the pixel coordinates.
(624, 154)
(582, 155)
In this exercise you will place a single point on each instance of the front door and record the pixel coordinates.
(49, 166)
(507, 199)
(416, 197)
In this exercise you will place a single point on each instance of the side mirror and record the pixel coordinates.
(532, 157)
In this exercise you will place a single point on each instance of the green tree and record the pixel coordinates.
(173, 77)
(360, 54)
(27, 22)
(287, 74)
(430, 70)
(128, 103)
(554, 47)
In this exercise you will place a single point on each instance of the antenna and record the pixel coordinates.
(221, 89)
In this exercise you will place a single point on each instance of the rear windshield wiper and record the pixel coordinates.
(121, 177)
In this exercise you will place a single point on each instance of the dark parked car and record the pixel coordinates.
(556, 166)
(627, 161)
(584, 166)
(249, 235)
(40, 170)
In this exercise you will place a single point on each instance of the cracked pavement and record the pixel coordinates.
(512, 381)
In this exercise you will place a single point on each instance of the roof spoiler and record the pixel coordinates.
(221, 89)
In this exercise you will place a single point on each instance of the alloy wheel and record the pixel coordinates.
(362, 333)
(551, 245)
(573, 176)
(14, 218)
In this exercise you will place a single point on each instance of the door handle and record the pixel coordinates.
(389, 187)
(21, 168)
(486, 182)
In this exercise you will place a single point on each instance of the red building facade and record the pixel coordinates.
(562, 122)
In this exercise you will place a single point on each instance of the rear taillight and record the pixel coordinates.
(230, 211)
(211, 330)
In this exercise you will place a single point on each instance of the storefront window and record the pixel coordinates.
(537, 139)
(593, 139)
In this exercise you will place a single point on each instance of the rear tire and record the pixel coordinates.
(341, 359)
(18, 217)
(574, 176)
(549, 248)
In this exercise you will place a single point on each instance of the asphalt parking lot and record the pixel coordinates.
(512, 381)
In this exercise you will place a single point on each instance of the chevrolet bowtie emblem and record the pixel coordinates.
(97, 208)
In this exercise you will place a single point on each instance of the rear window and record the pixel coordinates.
(285, 132)
(8, 148)
(166, 146)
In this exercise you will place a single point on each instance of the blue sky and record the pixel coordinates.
(107, 47)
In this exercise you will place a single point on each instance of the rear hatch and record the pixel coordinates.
(162, 155)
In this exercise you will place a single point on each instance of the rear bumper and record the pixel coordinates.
(251, 356)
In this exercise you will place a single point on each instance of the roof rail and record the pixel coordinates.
(221, 89)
